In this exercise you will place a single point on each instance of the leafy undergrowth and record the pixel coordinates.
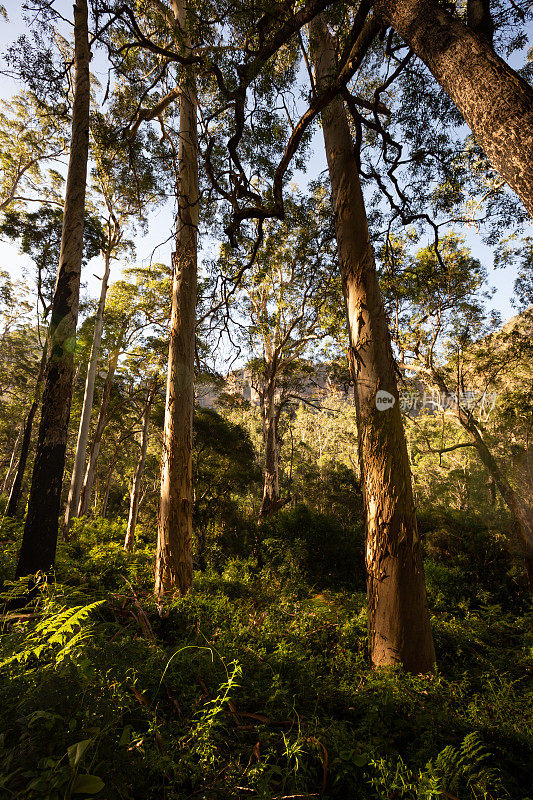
(247, 688)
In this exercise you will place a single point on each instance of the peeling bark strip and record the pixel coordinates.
(40, 532)
(495, 101)
(398, 618)
(88, 397)
(173, 568)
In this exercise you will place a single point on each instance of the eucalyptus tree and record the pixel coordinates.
(443, 336)
(173, 567)
(135, 494)
(33, 141)
(124, 180)
(145, 49)
(137, 304)
(39, 234)
(399, 625)
(40, 531)
(146, 362)
(17, 350)
(286, 309)
(495, 101)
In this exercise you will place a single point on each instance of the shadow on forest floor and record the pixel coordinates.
(252, 688)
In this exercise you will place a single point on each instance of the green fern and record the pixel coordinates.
(456, 771)
(55, 637)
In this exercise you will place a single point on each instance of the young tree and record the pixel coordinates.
(287, 301)
(398, 616)
(40, 532)
(17, 354)
(442, 337)
(136, 304)
(135, 493)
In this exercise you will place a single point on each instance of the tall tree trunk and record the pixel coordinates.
(94, 450)
(173, 569)
(399, 627)
(494, 100)
(12, 468)
(107, 487)
(40, 532)
(137, 478)
(271, 495)
(85, 421)
(520, 512)
(16, 488)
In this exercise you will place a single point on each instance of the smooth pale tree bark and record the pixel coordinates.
(399, 627)
(494, 100)
(173, 568)
(520, 512)
(137, 478)
(270, 418)
(12, 467)
(94, 450)
(107, 487)
(40, 532)
(76, 482)
(16, 488)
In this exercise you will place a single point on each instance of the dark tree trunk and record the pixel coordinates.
(398, 618)
(16, 487)
(494, 100)
(479, 18)
(40, 532)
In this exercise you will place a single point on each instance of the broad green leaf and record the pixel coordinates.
(87, 784)
(76, 751)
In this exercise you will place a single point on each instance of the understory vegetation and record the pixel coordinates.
(256, 683)
(266, 400)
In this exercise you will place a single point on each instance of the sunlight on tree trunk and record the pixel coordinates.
(271, 494)
(173, 569)
(495, 101)
(399, 627)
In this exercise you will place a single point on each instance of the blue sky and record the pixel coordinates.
(160, 222)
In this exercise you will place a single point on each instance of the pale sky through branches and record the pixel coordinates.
(156, 245)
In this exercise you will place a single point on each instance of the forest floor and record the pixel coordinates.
(252, 688)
